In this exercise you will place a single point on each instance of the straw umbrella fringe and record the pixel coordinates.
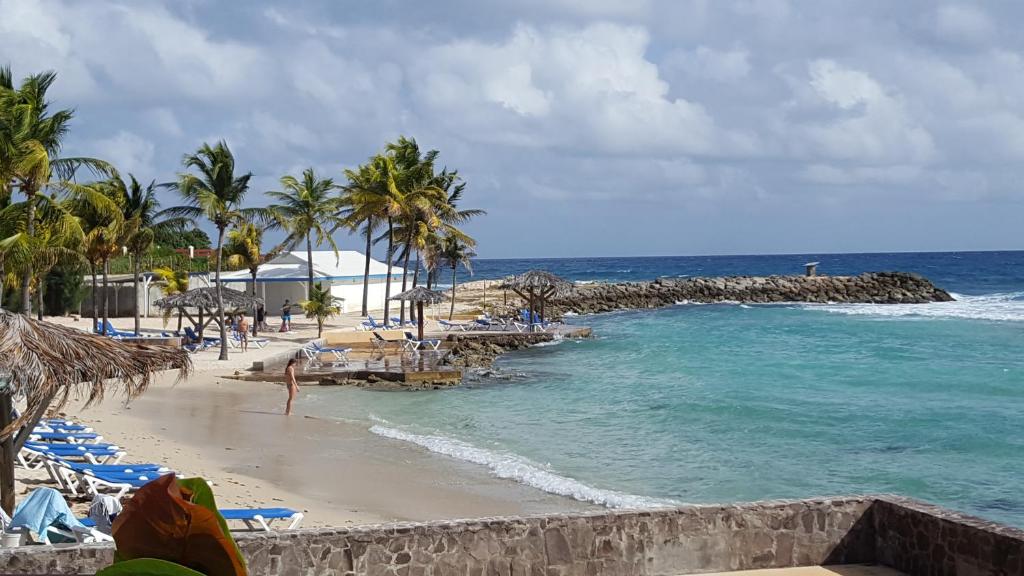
(420, 296)
(205, 300)
(48, 363)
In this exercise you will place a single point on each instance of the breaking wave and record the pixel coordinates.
(1004, 307)
(515, 467)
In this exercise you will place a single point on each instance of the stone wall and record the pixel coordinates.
(654, 543)
(916, 538)
(924, 540)
(880, 288)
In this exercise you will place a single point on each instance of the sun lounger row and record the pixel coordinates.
(80, 465)
(408, 344)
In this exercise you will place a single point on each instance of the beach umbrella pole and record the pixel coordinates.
(7, 455)
(419, 318)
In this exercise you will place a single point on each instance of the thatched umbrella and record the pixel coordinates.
(536, 286)
(205, 301)
(420, 295)
(46, 363)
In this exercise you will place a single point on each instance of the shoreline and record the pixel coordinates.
(337, 473)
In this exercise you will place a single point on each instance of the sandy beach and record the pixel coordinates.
(234, 434)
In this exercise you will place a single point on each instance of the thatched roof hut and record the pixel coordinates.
(539, 281)
(47, 363)
(206, 299)
(420, 294)
(536, 287)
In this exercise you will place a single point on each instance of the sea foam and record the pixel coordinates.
(1005, 307)
(519, 469)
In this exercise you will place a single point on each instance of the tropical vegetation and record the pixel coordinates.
(56, 225)
(321, 305)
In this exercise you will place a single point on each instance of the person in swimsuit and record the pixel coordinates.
(292, 384)
(243, 332)
(286, 316)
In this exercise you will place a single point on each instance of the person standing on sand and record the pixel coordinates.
(292, 384)
(286, 316)
(243, 332)
(261, 317)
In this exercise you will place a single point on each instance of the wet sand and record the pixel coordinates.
(234, 434)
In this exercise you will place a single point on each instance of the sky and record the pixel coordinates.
(583, 127)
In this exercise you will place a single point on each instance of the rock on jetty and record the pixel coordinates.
(480, 351)
(876, 288)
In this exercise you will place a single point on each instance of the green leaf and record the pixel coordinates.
(202, 495)
(147, 567)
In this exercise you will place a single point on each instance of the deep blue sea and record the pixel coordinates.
(713, 403)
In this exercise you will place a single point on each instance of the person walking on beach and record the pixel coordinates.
(292, 384)
(286, 316)
(261, 318)
(243, 332)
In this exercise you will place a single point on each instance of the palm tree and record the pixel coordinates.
(454, 252)
(102, 227)
(139, 211)
(306, 209)
(418, 195)
(244, 249)
(215, 193)
(363, 201)
(175, 282)
(320, 305)
(29, 155)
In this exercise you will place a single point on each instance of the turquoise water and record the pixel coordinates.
(726, 402)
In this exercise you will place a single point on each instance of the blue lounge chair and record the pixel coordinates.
(106, 328)
(314, 350)
(52, 427)
(119, 483)
(194, 338)
(381, 343)
(413, 345)
(535, 322)
(262, 518)
(236, 340)
(371, 324)
(68, 437)
(254, 518)
(33, 455)
(449, 326)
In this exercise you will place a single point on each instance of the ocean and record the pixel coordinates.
(719, 403)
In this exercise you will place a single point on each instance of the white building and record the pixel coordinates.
(286, 277)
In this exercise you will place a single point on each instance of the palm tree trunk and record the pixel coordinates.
(309, 267)
(95, 296)
(405, 276)
(366, 269)
(387, 281)
(40, 283)
(135, 289)
(415, 278)
(454, 281)
(26, 278)
(3, 274)
(220, 297)
(106, 301)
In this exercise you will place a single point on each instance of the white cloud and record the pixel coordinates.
(128, 152)
(868, 124)
(591, 88)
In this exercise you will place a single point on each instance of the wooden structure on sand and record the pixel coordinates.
(204, 300)
(536, 287)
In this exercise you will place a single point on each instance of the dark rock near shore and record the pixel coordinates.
(480, 351)
(874, 288)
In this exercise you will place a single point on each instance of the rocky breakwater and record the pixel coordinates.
(874, 288)
(480, 350)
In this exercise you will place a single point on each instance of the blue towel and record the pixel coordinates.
(43, 508)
